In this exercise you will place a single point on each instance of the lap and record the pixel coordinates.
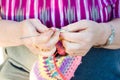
(99, 64)
(11, 71)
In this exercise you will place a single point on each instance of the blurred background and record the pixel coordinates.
(1, 56)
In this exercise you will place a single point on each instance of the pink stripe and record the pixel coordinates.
(31, 15)
(57, 15)
(76, 62)
(40, 5)
(119, 9)
(83, 16)
(10, 9)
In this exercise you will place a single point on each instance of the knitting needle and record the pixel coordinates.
(61, 30)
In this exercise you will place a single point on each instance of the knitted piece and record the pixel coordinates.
(56, 67)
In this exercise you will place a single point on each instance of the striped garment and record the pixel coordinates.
(59, 13)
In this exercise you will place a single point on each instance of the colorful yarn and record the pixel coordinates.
(56, 67)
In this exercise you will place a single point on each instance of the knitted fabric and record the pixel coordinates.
(56, 67)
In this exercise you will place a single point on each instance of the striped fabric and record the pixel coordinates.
(59, 13)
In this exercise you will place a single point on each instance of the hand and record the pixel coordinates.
(50, 45)
(46, 38)
(81, 36)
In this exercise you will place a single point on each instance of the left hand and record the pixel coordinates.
(81, 36)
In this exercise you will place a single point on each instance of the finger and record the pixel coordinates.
(44, 37)
(75, 49)
(48, 53)
(74, 37)
(54, 39)
(33, 49)
(38, 25)
(70, 47)
(78, 26)
(81, 53)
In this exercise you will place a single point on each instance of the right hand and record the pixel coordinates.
(46, 40)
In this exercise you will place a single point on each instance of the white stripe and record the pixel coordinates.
(13, 8)
(53, 12)
(101, 12)
(86, 9)
(60, 3)
(36, 9)
(20, 4)
(106, 12)
(28, 9)
(7, 8)
(105, 1)
(78, 10)
(100, 3)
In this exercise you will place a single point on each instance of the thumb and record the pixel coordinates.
(74, 27)
(38, 25)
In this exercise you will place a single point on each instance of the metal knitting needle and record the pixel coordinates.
(61, 30)
(29, 36)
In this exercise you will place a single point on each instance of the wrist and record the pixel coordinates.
(20, 25)
(105, 32)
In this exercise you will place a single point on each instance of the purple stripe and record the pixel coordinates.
(64, 64)
(82, 9)
(40, 5)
